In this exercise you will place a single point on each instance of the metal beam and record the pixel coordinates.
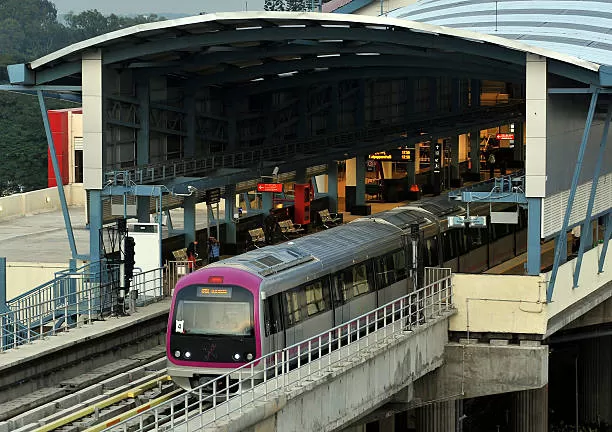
(570, 200)
(577, 90)
(58, 177)
(586, 228)
(607, 237)
(390, 35)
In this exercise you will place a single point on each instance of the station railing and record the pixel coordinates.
(265, 377)
(74, 298)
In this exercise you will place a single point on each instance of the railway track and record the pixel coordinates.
(93, 399)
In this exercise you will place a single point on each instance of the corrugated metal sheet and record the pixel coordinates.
(577, 28)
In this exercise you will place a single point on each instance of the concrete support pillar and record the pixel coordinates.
(300, 175)
(189, 218)
(595, 381)
(530, 411)
(93, 155)
(534, 220)
(230, 222)
(332, 185)
(360, 172)
(266, 202)
(143, 95)
(437, 417)
(475, 151)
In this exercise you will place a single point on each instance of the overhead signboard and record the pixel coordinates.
(270, 187)
(505, 136)
(213, 196)
(394, 155)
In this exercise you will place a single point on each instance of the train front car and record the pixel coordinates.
(213, 326)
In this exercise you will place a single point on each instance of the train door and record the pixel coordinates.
(274, 328)
(341, 308)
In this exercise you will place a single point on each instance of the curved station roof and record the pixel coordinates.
(578, 28)
(275, 49)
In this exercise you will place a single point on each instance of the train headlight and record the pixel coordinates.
(187, 354)
(236, 356)
(249, 356)
(177, 353)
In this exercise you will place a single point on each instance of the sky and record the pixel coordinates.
(189, 7)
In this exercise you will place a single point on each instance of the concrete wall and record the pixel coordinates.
(39, 201)
(351, 389)
(564, 129)
(499, 304)
(21, 276)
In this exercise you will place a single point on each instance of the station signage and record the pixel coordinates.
(437, 157)
(270, 187)
(395, 155)
(213, 196)
(505, 136)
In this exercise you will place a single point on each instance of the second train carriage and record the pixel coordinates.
(241, 308)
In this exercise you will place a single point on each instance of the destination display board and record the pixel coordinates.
(394, 155)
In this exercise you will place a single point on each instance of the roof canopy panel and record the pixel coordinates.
(577, 28)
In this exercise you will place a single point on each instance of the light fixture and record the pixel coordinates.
(187, 354)
(249, 356)
(236, 356)
(177, 353)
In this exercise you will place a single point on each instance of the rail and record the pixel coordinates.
(71, 300)
(276, 372)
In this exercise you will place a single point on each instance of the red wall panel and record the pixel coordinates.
(58, 120)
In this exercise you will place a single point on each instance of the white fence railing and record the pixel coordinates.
(72, 300)
(265, 377)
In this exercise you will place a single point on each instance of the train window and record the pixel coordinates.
(317, 299)
(431, 245)
(360, 280)
(294, 313)
(338, 289)
(384, 271)
(399, 265)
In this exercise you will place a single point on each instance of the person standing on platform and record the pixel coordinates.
(270, 226)
(192, 255)
(491, 163)
(214, 250)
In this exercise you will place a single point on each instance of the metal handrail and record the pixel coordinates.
(276, 372)
(69, 301)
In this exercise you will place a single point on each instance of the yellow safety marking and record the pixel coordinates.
(102, 404)
(134, 411)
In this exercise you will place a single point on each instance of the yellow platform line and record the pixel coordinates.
(102, 404)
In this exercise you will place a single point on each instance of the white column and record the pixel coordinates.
(536, 96)
(92, 119)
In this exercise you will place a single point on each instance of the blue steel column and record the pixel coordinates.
(332, 185)
(58, 177)
(189, 218)
(606, 241)
(587, 230)
(230, 209)
(534, 220)
(143, 139)
(570, 200)
(360, 174)
(266, 202)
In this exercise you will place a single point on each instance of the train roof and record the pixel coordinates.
(342, 243)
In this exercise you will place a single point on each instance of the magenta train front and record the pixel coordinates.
(213, 325)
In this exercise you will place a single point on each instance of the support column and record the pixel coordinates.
(437, 417)
(534, 220)
(360, 174)
(189, 218)
(530, 413)
(93, 155)
(332, 185)
(143, 95)
(475, 151)
(454, 148)
(230, 222)
(300, 175)
(266, 202)
(475, 93)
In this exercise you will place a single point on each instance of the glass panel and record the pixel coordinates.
(315, 301)
(215, 318)
(360, 280)
(293, 307)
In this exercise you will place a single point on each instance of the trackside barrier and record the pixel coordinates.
(73, 299)
(275, 373)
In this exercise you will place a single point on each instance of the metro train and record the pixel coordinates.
(236, 310)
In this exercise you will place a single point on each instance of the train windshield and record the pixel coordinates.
(206, 310)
